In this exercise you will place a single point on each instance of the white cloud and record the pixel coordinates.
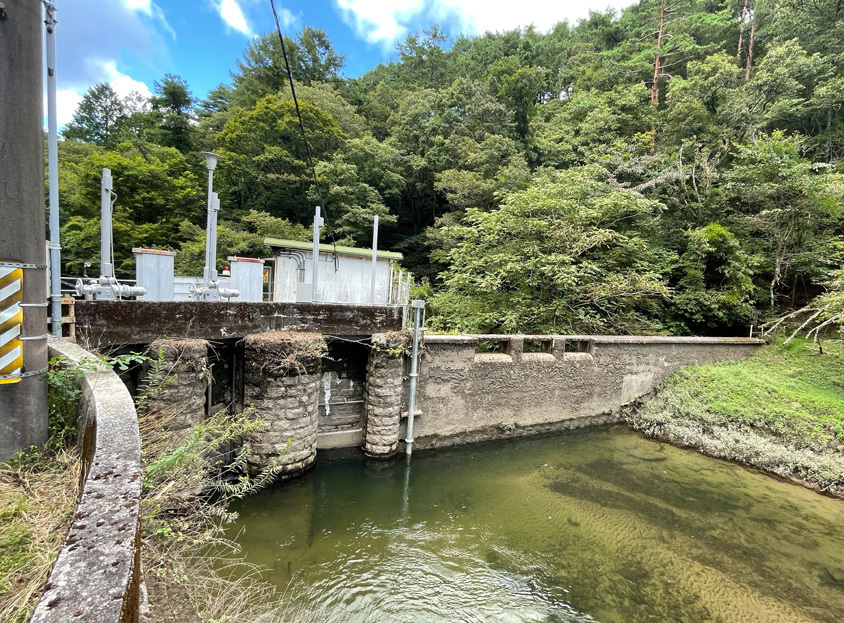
(233, 15)
(375, 22)
(122, 84)
(150, 9)
(144, 6)
(286, 18)
(378, 23)
(66, 102)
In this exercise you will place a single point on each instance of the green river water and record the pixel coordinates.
(602, 525)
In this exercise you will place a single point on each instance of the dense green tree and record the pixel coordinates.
(155, 191)
(788, 213)
(98, 119)
(672, 166)
(715, 289)
(568, 255)
(265, 161)
(261, 70)
(174, 104)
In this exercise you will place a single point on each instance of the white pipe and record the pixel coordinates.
(209, 263)
(318, 222)
(212, 246)
(106, 260)
(53, 172)
(374, 259)
(418, 306)
(390, 285)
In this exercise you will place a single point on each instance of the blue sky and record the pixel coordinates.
(132, 43)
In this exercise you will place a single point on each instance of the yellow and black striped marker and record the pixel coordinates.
(11, 320)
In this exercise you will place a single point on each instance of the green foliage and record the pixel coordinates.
(738, 148)
(63, 391)
(98, 118)
(243, 238)
(174, 103)
(568, 255)
(715, 289)
(156, 189)
(62, 396)
(790, 217)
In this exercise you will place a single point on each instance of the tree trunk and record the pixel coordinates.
(741, 30)
(750, 52)
(829, 141)
(655, 84)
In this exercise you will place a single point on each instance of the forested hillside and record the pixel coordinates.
(673, 168)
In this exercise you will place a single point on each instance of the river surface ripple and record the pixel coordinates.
(602, 525)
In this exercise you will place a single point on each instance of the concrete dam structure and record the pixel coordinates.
(319, 375)
(331, 375)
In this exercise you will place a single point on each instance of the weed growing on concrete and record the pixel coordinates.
(193, 573)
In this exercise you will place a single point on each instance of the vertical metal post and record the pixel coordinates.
(209, 261)
(53, 174)
(374, 259)
(417, 306)
(106, 185)
(23, 292)
(318, 222)
(212, 238)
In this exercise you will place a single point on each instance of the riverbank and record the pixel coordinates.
(780, 410)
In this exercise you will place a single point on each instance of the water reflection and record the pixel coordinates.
(601, 525)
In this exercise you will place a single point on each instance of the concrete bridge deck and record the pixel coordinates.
(107, 323)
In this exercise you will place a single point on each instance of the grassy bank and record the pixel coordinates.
(781, 410)
(38, 496)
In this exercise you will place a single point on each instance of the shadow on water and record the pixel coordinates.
(591, 526)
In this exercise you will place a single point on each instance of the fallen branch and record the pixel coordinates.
(803, 326)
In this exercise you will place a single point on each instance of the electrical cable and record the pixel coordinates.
(302, 128)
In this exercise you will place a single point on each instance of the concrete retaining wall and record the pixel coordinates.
(571, 381)
(97, 576)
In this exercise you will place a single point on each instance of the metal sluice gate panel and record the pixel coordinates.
(11, 320)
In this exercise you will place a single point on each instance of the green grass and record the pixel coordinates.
(38, 494)
(790, 392)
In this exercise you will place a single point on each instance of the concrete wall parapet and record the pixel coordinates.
(536, 383)
(97, 575)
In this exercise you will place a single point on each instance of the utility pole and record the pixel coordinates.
(23, 279)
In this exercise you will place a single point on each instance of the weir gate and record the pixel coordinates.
(328, 375)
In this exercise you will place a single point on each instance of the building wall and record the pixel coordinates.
(466, 396)
(349, 283)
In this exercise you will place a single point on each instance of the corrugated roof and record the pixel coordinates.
(279, 243)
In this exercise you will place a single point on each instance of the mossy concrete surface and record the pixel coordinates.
(781, 410)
